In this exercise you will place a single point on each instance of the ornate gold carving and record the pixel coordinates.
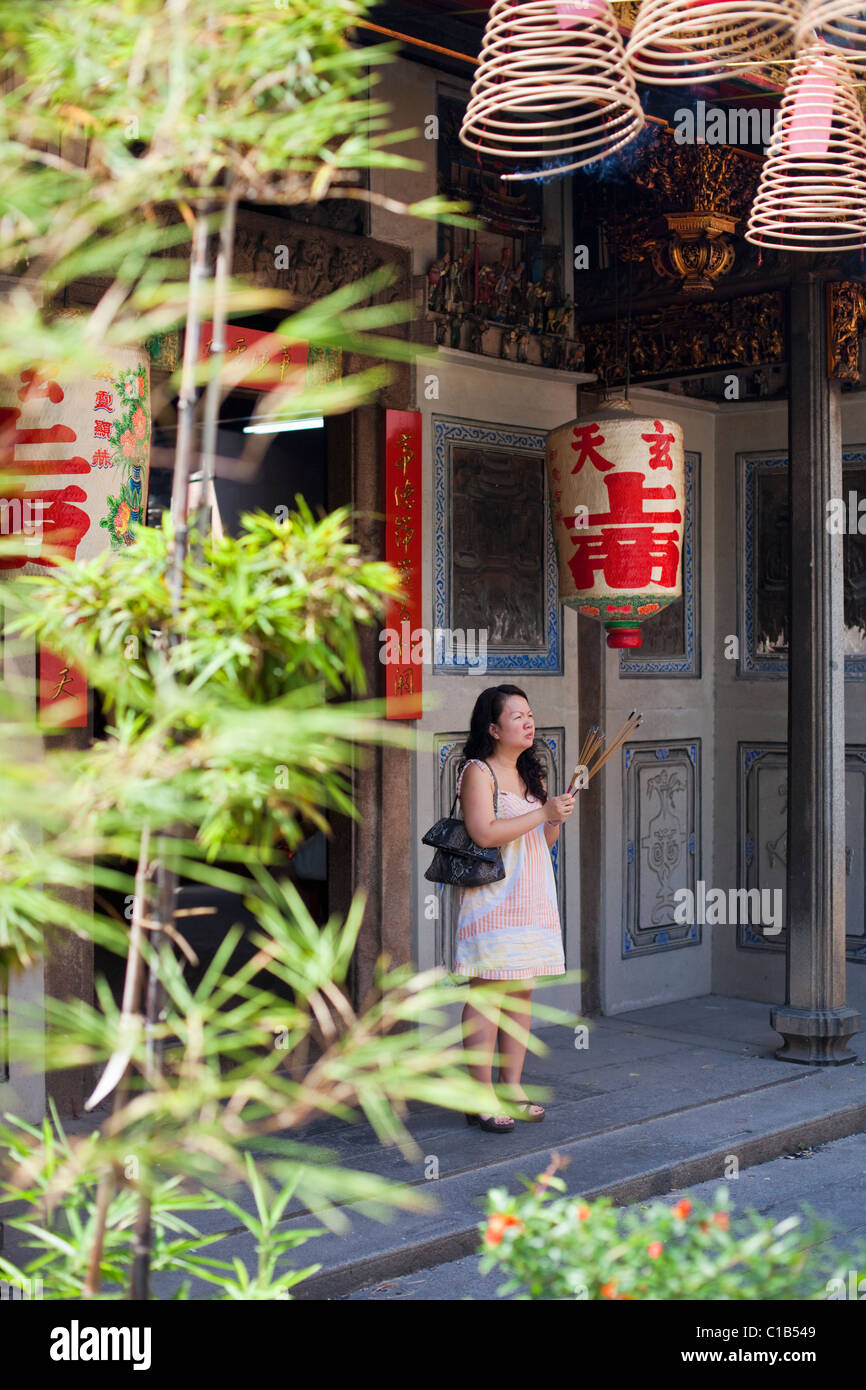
(311, 262)
(698, 252)
(747, 332)
(846, 321)
(627, 13)
(695, 196)
(699, 177)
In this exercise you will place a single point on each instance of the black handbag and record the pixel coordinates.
(458, 860)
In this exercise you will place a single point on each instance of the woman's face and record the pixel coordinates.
(516, 725)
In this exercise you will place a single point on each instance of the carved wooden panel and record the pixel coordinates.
(662, 843)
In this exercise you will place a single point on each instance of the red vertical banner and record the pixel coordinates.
(403, 676)
(62, 692)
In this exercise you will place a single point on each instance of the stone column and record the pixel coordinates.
(814, 1021)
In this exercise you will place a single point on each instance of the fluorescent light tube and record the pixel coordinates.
(313, 422)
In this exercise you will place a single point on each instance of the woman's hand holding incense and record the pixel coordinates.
(559, 808)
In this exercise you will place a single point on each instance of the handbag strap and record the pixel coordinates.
(495, 790)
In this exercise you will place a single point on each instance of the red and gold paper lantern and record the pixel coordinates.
(617, 482)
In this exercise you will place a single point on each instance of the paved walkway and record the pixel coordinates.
(830, 1179)
(657, 1102)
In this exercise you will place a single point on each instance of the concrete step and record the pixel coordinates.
(628, 1156)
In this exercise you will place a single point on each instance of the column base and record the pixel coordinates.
(816, 1037)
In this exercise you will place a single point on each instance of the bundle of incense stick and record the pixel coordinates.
(593, 753)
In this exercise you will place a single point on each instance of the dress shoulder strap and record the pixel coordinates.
(478, 763)
(492, 774)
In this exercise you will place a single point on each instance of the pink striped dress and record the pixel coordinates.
(511, 930)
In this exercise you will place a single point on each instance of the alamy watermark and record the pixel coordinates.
(420, 646)
(77, 1343)
(21, 517)
(718, 125)
(20, 1290)
(846, 517)
(716, 907)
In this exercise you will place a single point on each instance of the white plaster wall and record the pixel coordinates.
(673, 709)
(535, 400)
(24, 1093)
(411, 91)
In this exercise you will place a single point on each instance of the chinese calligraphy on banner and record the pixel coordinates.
(618, 489)
(270, 369)
(74, 461)
(403, 678)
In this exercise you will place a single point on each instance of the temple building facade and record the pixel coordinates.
(683, 871)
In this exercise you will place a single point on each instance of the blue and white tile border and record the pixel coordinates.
(448, 431)
(688, 666)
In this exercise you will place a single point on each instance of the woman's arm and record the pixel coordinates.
(551, 829)
(476, 800)
(551, 834)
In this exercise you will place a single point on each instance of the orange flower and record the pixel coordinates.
(654, 1250)
(498, 1224)
(140, 383)
(127, 444)
(583, 1212)
(121, 518)
(609, 1290)
(682, 1208)
(139, 423)
(722, 1220)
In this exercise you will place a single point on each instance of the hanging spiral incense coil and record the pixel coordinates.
(812, 193)
(552, 88)
(679, 41)
(842, 26)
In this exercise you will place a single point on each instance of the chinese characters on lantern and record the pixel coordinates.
(35, 440)
(619, 505)
(403, 551)
(631, 542)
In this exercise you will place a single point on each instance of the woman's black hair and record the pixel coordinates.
(481, 743)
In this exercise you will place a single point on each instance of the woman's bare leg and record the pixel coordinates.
(480, 1034)
(512, 1050)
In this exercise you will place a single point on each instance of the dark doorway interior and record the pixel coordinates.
(254, 472)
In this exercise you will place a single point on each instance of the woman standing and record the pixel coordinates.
(509, 930)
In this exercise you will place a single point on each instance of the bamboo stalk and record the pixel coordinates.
(130, 1008)
(205, 495)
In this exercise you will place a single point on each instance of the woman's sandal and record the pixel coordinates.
(490, 1125)
(523, 1106)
